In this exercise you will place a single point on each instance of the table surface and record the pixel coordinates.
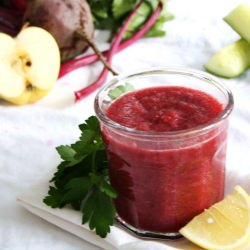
(29, 134)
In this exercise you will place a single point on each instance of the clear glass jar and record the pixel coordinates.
(164, 179)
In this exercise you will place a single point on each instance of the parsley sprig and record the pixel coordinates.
(81, 179)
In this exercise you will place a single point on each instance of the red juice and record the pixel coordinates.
(164, 181)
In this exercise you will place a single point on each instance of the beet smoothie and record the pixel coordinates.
(165, 172)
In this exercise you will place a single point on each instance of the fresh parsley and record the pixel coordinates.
(81, 180)
(119, 90)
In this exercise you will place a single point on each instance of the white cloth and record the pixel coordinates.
(118, 239)
(70, 221)
(29, 134)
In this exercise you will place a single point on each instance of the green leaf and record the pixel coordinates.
(62, 168)
(121, 7)
(54, 198)
(99, 211)
(119, 90)
(107, 23)
(81, 179)
(108, 189)
(100, 8)
(81, 169)
(76, 189)
(154, 33)
(168, 16)
(90, 139)
(110, 14)
(101, 162)
(87, 144)
(139, 19)
(91, 123)
(67, 153)
(76, 204)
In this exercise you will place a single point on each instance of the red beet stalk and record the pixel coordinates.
(116, 41)
(9, 18)
(73, 64)
(6, 29)
(86, 60)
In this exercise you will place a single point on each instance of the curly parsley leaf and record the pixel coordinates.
(66, 153)
(119, 90)
(81, 179)
(76, 189)
(91, 124)
(107, 189)
(54, 197)
(95, 207)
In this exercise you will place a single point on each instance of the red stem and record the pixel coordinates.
(9, 18)
(116, 41)
(86, 60)
(73, 64)
(14, 12)
(8, 30)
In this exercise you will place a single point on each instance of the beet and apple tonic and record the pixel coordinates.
(166, 144)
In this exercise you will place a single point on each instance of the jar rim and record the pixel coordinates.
(174, 71)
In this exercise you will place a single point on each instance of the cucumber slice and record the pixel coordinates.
(231, 61)
(239, 20)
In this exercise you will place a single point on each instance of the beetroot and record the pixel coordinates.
(15, 4)
(89, 59)
(63, 19)
(19, 4)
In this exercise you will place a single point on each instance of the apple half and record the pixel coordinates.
(29, 65)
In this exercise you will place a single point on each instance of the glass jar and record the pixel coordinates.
(164, 179)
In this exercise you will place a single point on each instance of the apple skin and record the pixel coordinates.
(29, 65)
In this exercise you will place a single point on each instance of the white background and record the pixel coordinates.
(29, 134)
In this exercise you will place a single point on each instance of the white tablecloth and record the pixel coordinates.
(29, 134)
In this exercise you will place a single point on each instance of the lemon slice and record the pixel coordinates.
(224, 226)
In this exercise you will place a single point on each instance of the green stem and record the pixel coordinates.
(93, 163)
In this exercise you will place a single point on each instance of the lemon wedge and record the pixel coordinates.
(224, 226)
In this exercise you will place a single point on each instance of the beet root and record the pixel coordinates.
(63, 19)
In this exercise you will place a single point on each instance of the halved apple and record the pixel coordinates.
(29, 65)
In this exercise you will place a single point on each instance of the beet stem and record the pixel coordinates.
(11, 12)
(8, 30)
(84, 35)
(6, 22)
(9, 18)
(89, 59)
(79, 95)
(99, 54)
